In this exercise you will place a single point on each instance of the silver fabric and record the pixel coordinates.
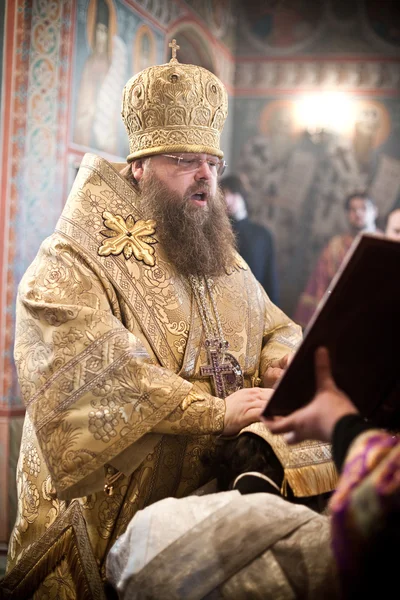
(224, 545)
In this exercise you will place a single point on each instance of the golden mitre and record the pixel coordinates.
(174, 107)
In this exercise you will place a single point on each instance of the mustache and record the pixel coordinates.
(198, 188)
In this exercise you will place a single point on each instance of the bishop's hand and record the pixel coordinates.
(244, 407)
(275, 370)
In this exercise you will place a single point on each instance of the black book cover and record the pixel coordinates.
(358, 320)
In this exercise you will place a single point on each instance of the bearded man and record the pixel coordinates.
(141, 337)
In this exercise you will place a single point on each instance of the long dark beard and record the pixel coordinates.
(197, 240)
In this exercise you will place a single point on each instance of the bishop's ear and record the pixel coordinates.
(137, 168)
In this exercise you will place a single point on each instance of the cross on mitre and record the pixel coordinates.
(174, 47)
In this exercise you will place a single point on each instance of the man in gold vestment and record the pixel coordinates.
(141, 336)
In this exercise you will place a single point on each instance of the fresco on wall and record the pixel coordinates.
(283, 26)
(112, 44)
(383, 19)
(194, 48)
(164, 11)
(219, 17)
(97, 103)
(144, 49)
(343, 11)
(321, 26)
(2, 15)
(312, 73)
(299, 177)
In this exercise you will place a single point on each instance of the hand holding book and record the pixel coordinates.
(358, 321)
(317, 419)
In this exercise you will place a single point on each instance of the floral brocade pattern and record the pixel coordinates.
(107, 350)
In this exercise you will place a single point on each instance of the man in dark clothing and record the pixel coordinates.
(255, 242)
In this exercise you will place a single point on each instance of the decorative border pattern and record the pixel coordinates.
(66, 539)
(37, 56)
(16, 61)
(303, 74)
(37, 59)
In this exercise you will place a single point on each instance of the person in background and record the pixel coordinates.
(361, 215)
(254, 241)
(392, 229)
(365, 508)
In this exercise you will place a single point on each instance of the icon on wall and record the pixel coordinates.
(284, 26)
(144, 49)
(103, 77)
(371, 129)
(383, 19)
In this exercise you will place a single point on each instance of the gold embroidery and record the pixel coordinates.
(112, 475)
(128, 237)
(237, 265)
(66, 538)
(32, 460)
(28, 510)
(74, 357)
(192, 397)
(255, 381)
(174, 108)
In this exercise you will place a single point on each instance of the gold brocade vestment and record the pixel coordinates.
(108, 352)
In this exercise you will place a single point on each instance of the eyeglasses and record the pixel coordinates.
(191, 162)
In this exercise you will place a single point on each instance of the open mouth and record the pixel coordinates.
(199, 198)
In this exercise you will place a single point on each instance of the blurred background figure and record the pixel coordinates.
(255, 242)
(392, 229)
(361, 215)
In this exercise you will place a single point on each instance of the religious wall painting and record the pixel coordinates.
(298, 179)
(163, 11)
(347, 158)
(382, 21)
(270, 164)
(343, 12)
(372, 125)
(335, 74)
(385, 187)
(194, 46)
(267, 152)
(126, 41)
(277, 123)
(101, 25)
(219, 16)
(282, 27)
(2, 17)
(144, 49)
(102, 78)
(283, 137)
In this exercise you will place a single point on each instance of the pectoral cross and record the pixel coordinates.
(216, 370)
(174, 46)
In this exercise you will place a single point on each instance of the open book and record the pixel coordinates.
(358, 320)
